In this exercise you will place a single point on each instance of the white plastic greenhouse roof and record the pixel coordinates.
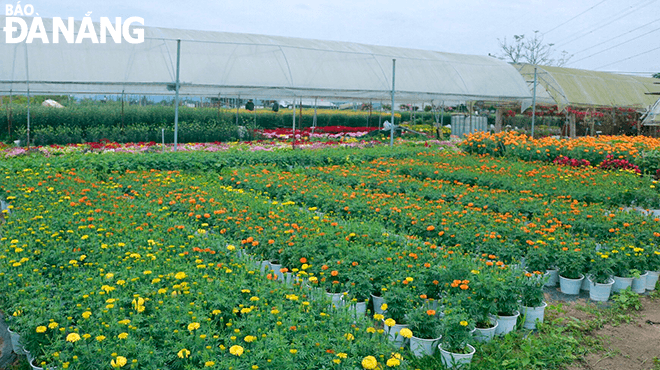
(232, 64)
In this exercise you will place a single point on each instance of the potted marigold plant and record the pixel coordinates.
(532, 299)
(600, 276)
(571, 263)
(399, 300)
(483, 304)
(507, 295)
(653, 260)
(426, 329)
(359, 289)
(457, 326)
(622, 267)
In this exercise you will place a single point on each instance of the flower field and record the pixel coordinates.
(155, 261)
(644, 151)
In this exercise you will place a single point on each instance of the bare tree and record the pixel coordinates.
(531, 50)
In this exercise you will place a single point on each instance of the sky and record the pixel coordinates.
(603, 35)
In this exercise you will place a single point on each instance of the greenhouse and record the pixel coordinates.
(589, 89)
(217, 64)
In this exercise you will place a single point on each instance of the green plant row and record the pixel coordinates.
(92, 121)
(208, 161)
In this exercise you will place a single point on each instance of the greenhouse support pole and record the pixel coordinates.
(122, 110)
(27, 75)
(218, 115)
(9, 114)
(442, 114)
(314, 119)
(380, 115)
(300, 124)
(534, 102)
(369, 118)
(293, 129)
(176, 95)
(162, 134)
(393, 76)
(238, 104)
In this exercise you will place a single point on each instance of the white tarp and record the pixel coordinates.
(231, 64)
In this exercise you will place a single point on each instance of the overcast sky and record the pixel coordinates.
(589, 29)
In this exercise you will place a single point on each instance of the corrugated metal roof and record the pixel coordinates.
(578, 87)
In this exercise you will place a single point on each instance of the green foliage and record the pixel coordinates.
(89, 122)
(627, 300)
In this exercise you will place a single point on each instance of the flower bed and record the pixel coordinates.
(143, 266)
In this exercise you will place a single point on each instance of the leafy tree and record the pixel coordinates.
(657, 75)
(531, 50)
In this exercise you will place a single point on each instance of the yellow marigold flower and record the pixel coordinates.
(193, 326)
(41, 329)
(236, 350)
(390, 322)
(231, 247)
(378, 316)
(86, 314)
(100, 338)
(371, 330)
(184, 353)
(464, 323)
(293, 351)
(180, 275)
(369, 362)
(209, 363)
(73, 337)
(393, 362)
(383, 307)
(349, 336)
(120, 361)
(122, 336)
(406, 333)
(250, 338)
(52, 325)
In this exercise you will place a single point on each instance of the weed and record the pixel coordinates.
(626, 300)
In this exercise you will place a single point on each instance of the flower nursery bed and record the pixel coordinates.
(231, 263)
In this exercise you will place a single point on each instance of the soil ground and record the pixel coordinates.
(630, 346)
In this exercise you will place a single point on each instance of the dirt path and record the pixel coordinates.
(628, 346)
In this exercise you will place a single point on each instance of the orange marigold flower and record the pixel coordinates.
(430, 228)
(464, 287)
(334, 273)
(430, 312)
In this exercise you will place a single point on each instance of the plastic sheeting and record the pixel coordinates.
(230, 64)
(577, 87)
(652, 117)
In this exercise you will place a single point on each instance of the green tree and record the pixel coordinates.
(656, 75)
